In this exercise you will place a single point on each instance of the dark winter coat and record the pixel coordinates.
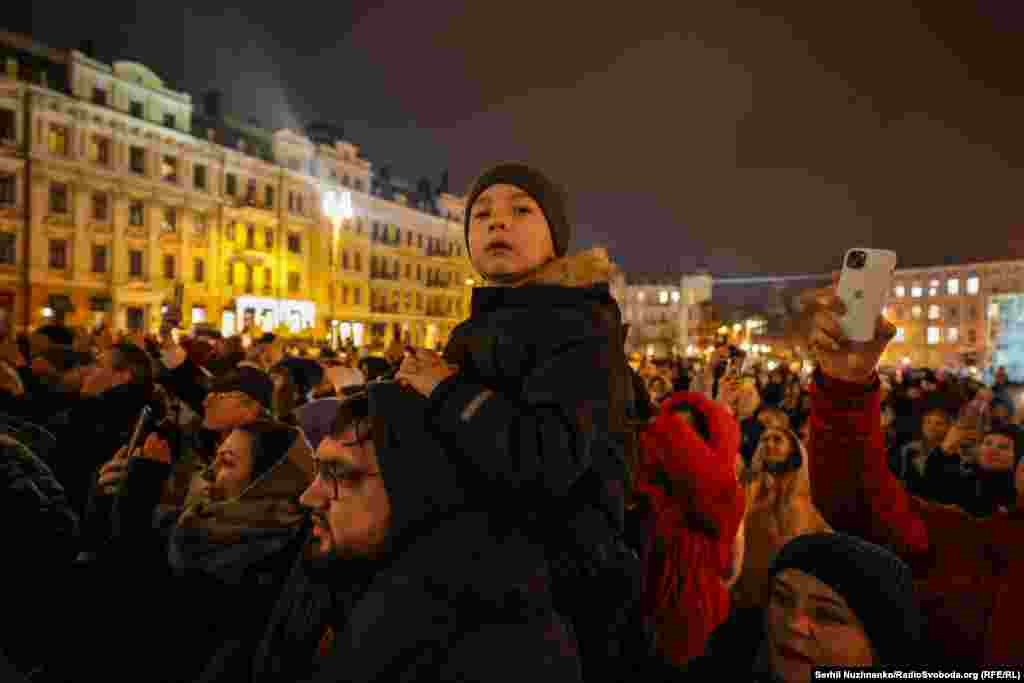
(733, 651)
(40, 541)
(95, 429)
(455, 594)
(537, 416)
(203, 580)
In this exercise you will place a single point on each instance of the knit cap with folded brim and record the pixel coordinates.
(876, 585)
(550, 197)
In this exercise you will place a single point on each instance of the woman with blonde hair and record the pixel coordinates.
(779, 508)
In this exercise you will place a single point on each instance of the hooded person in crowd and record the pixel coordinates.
(427, 584)
(694, 550)
(531, 400)
(969, 571)
(834, 601)
(209, 572)
(779, 508)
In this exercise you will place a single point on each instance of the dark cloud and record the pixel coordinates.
(747, 140)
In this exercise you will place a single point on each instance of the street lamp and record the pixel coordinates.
(338, 207)
(737, 327)
(47, 312)
(723, 330)
(470, 282)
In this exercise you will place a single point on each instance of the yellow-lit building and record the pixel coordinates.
(114, 189)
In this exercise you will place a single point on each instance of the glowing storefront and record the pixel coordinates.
(266, 314)
(345, 331)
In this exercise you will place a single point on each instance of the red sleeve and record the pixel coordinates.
(850, 479)
(707, 479)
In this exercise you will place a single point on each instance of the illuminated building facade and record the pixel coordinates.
(654, 310)
(958, 316)
(115, 189)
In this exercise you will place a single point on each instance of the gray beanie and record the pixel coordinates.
(549, 197)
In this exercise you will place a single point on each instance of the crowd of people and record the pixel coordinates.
(530, 503)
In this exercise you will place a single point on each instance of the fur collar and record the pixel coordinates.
(585, 269)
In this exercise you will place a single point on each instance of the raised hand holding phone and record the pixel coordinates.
(863, 287)
(839, 356)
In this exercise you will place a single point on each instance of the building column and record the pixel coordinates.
(40, 194)
(184, 274)
(81, 213)
(153, 244)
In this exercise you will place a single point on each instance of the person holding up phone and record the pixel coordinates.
(969, 571)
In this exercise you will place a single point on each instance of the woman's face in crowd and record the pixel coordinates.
(508, 233)
(934, 427)
(996, 453)
(775, 446)
(810, 625)
(232, 467)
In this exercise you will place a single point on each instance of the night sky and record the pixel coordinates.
(744, 140)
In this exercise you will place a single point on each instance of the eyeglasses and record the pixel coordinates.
(342, 477)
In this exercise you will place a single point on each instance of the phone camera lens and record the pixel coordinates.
(856, 260)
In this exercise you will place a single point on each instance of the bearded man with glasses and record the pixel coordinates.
(425, 586)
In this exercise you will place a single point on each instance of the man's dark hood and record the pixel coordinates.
(421, 481)
(445, 570)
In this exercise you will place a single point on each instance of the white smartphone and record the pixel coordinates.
(864, 286)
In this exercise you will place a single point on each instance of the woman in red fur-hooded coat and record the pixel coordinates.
(694, 548)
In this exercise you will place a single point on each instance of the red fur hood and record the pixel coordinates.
(724, 436)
